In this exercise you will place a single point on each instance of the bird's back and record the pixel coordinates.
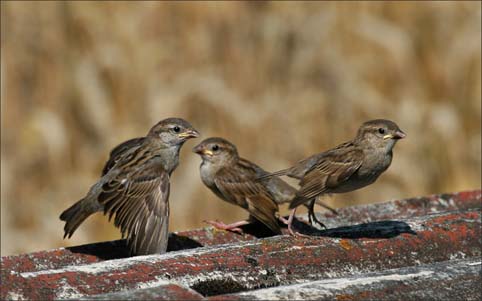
(119, 150)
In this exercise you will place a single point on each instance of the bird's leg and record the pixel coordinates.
(283, 220)
(311, 214)
(234, 227)
(311, 207)
(289, 222)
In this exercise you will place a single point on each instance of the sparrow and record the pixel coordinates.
(134, 187)
(233, 179)
(347, 167)
(281, 191)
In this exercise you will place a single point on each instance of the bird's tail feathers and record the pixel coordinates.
(331, 209)
(278, 173)
(264, 210)
(74, 216)
(298, 200)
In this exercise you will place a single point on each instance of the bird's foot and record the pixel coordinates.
(289, 223)
(284, 220)
(290, 229)
(313, 219)
(295, 233)
(234, 227)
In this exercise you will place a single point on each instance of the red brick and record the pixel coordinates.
(448, 280)
(90, 253)
(274, 261)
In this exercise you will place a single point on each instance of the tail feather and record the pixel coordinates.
(320, 203)
(298, 201)
(74, 216)
(279, 173)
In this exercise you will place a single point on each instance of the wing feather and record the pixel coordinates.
(119, 151)
(239, 186)
(331, 170)
(138, 197)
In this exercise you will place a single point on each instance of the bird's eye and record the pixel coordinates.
(215, 147)
(176, 129)
(381, 131)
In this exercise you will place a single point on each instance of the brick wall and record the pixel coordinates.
(426, 247)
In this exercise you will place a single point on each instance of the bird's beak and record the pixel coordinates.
(207, 152)
(191, 133)
(199, 149)
(398, 135)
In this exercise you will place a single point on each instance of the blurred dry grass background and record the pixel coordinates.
(280, 80)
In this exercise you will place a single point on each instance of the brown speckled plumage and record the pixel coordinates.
(134, 187)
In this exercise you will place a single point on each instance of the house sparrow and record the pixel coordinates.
(283, 193)
(280, 191)
(233, 179)
(135, 187)
(347, 167)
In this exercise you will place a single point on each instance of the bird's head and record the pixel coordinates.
(216, 150)
(173, 131)
(380, 133)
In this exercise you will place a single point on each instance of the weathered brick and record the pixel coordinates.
(448, 280)
(58, 258)
(161, 292)
(267, 262)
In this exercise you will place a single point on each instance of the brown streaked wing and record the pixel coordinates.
(119, 151)
(330, 171)
(248, 168)
(238, 186)
(139, 201)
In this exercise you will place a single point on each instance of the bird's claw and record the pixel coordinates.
(297, 234)
(313, 219)
(284, 220)
(222, 226)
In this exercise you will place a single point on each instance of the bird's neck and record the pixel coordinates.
(168, 154)
(215, 166)
(172, 157)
